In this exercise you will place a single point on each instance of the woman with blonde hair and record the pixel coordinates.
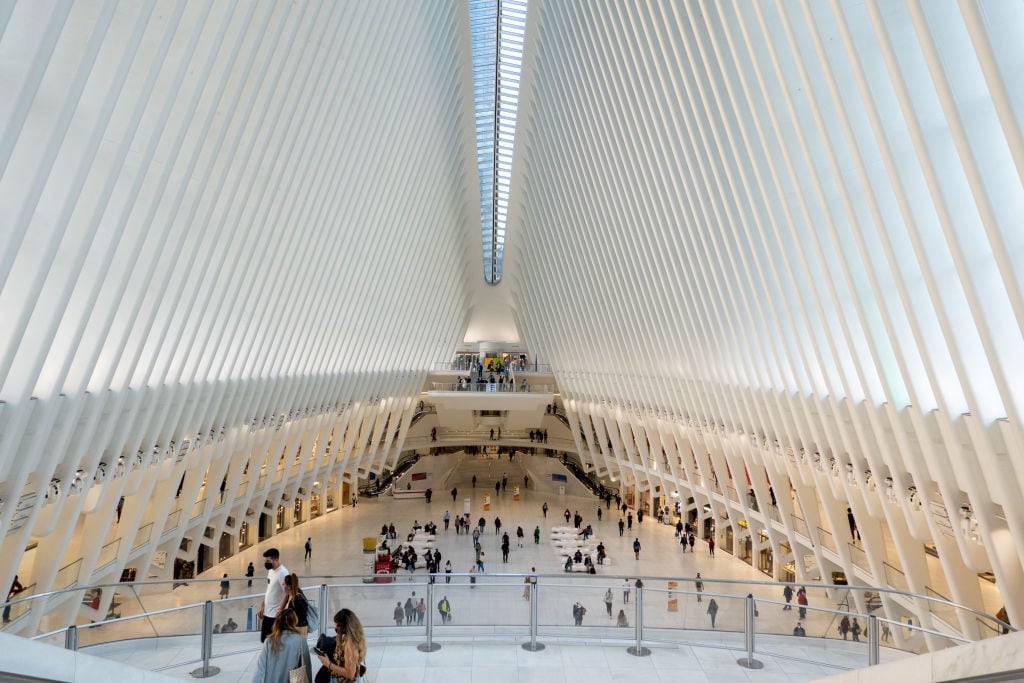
(345, 662)
(295, 599)
(283, 651)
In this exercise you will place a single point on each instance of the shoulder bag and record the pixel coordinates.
(299, 673)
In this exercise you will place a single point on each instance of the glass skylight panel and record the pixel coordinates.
(497, 29)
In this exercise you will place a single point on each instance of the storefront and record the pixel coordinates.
(226, 548)
(243, 536)
(765, 556)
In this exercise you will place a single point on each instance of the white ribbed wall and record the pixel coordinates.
(791, 236)
(233, 238)
(779, 237)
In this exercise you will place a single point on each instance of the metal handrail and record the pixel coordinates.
(360, 579)
(520, 387)
(655, 634)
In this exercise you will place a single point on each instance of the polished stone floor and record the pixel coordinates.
(483, 642)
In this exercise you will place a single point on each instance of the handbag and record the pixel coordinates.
(299, 673)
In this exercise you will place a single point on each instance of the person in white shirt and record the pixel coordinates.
(272, 599)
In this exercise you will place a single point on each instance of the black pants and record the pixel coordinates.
(266, 627)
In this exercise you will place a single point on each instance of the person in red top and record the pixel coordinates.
(711, 546)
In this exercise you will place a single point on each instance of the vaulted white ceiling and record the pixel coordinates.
(775, 237)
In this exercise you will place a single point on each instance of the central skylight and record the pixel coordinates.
(497, 28)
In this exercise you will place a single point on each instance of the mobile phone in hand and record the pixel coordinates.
(318, 651)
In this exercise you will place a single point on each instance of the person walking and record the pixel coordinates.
(567, 515)
(447, 519)
(608, 601)
(636, 548)
(698, 585)
(844, 626)
(801, 600)
(504, 548)
(283, 648)
(519, 535)
(250, 572)
(399, 614)
(444, 609)
(528, 582)
(295, 600)
(474, 481)
(787, 593)
(712, 611)
(455, 493)
(629, 522)
(536, 535)
(447, 571)
(271, 603)
(16, 589)
(497, 525)
(410, 609)
(309, 550)
(225, 587)
(692, 540)
(599, 513)
(421, 611)
(855, 630)
(346, 661)
(544, 509)
(711, 545)
(622, 527)
(625, 591)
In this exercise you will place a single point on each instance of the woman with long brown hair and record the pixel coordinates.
(285, 649)
(345, 662)
(295, 599)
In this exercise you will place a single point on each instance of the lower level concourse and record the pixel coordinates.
(489, 615)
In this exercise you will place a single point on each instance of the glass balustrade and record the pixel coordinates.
(517, 387)
(496, 606)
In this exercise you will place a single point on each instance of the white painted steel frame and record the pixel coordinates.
(790, 232)
(233, 241)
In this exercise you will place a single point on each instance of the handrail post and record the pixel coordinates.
(430, 645)
(639, 650)
(533, 645)
(71, 638)
(205, 671)
(873, 648)
(323, 608)
(748, 635)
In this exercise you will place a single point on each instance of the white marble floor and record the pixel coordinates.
(472, 650)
